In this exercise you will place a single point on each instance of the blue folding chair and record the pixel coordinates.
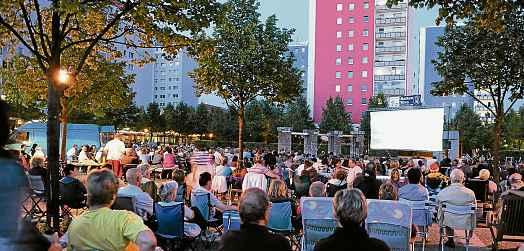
(231, 220)
(318, 220)
(203, 203)
(390, 221)
(422, 212)
(170, 219)
(280, 221)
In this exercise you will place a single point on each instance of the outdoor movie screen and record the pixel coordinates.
(415, 130)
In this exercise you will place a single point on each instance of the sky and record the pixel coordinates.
(291, 14)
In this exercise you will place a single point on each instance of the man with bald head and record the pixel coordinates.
(253, 234)
(143, 201)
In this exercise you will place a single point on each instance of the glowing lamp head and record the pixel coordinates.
(63, 76)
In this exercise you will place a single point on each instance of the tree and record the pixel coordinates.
(297, 115)
(245, 59)
(262, 119)
(222, 123)
(182, 123)
(375, 102)
(200, 119)
(335, 117)
(492, 61)
(155, 120)
(52, 29)
(469, 126)
(513, 128)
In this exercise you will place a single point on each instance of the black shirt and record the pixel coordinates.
(350, 238)
(253, 237)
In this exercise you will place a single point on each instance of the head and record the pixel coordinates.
(145, 170)
(394, 164)
(434, 168)
(337, 163)
(351, 163)
(350, 207)
(102, 186)
(317, 189)
(205, 180)
(37, 161)
(168, 191)
(388, 191)
(340, 175)
(75, 146)
(414, 176)
(370, 169)
(277, 190)
(457, 176)
(395, 175)
(84, 148)
(70, 170)
(515, 180)
(254, 206)
(484, 174)
(179, 176)
(133, 176)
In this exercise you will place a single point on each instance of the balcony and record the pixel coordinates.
(397, 35)
(390, 63)
(390, 49)
(396, 8)
(390, 21)
(389, 77)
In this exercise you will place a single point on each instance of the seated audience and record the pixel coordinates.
(459, 195)
(253, 234)
(368, 183)
(337, 183)
(484, 175)
(179, 177)
(168, 193)
(317, 189)
(143, 202)
(301, 184)
(414, 190)
(435, 179)
(394, 178)
(82, 156)
(516, 187)
(350, 208)
(388, 191)
(353, 171)
(130, 157)
(204, 187)
(72, 191)
(38, 169)
(143, 155)
(101, 228)
(148, 185)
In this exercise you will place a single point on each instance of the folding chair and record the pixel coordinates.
(459, 212)
(390, 221)
(231, 220)
(280, 222)
(510, 222)
(170, 228)
(422, 218)
(203, 203)
(37, 195)
(317, 220)
(484, 203)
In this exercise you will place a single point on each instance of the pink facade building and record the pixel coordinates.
(341, 37)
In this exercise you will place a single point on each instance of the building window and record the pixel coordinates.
(339, 20)
(338, 74)
(162, 104)
(366, 19)
(175, 95)
(338, 61)
(351, 20)
(340, 6)
(351, 33)
(339, 47)
(350, 47)
(364, 60)
(363, 87)
(156, 88)
(162, 96)
(349, 101)
(156, 96)
(365, 47)
(350, 60)
(337, 88)
(350, 88)
(339, 34)
(162, 88)
(364, 101)
(351, 6)
(365, 32)
(350, 74)
(364, 74)
(366, 5)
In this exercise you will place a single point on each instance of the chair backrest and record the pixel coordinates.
(231, 220)
(458, 217)
(280, 216)
(36, 183)
(318, 220)
(512, 216)
(170, 219)
(201, 201)
(180, 193)
(124, 203)
(421, 211)
(390, 221)
(480, 187)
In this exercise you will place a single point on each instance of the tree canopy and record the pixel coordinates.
(335, 117)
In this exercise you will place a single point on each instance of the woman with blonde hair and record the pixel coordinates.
(278, 191)
(484, 174)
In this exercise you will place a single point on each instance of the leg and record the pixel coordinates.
(450, 233)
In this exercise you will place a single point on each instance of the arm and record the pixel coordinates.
(146, 241)
(271, 174)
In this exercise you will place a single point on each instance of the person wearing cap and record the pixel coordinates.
(168, 193)
(516, 187)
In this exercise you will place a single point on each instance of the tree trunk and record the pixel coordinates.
(496, 147)
(241, 136)
(63, 137)
(53, 137)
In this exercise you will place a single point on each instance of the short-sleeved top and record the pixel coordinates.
(213, 200)
(115, 149)
(104, 229)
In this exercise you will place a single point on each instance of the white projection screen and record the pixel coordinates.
(414, 130)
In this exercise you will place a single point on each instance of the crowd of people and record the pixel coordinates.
(169, 174)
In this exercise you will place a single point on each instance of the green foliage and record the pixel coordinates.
(297, 115)
(514, 129)
(262, 119)
(472, 131)
(200, 119)
(335, 117)
(223, 124)
(155, 121)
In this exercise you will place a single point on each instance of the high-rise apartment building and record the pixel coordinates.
(300, 52)
(341, 54)
(391, 48)
(171, 81)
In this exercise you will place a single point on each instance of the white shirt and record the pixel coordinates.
(82, 156)
(115, 149)
(71, 153)
(352, 174)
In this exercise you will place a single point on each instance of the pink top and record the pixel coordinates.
(169, 161)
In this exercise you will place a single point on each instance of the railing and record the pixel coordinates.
(389, 77)
(384, 8)
(390, 63)
(391, 49)
(387, 35)
(392, 20)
